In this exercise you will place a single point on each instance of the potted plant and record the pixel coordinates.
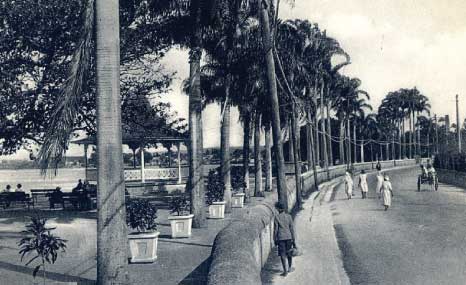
(181, 221)
(215, 191)
(237, 183)
(43, 243)
(140, 216)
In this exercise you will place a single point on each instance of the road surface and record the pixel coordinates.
(420, 240)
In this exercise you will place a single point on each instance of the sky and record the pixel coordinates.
(392, 43)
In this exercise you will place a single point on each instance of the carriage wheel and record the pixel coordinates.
(436, 183)
(418, 184)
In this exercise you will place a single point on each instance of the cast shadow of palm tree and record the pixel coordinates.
(199, 275)
(51, 276)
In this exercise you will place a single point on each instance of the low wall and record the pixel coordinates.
(452, 177)
(242, 248)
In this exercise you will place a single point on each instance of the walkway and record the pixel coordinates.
(420, 240)
(180, 261)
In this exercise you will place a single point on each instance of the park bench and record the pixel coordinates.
(77, 200)
(40, 192)
(16, 197)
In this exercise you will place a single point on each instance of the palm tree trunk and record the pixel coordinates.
(309, 135)
(196, 176)
(410, 136)
(225, 149)
(329, 131)
(268, 159)
(428, 143)
(314, 164)
(342, 141)
(246, 149)
(111, 214)
(393, 147)
(362, 150)
(348, 142)
(399, 140)
(322, 124)
(403, 137)
(316, 130)
(258, 191)
(290, 142)
(387, 150)
(295, 138)
(380, 151)
(355, 146)
(273, 97)
(418, 135)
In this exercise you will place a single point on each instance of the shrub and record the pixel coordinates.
(141, 215)
(42, 242)
(451, 161)
(237, 178)
(215, 187)
(179, 205)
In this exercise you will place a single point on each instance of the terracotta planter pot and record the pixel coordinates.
(237, 200)
(143, 247)
(217, 210)
(181, 226)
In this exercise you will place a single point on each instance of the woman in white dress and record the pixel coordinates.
(379, 182)
(348, 185)
(363, 184)
(387, 192)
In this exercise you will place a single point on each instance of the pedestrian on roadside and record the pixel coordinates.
(348, 184)
(387, 192)
(284, 238)
(378, 166)
(363, 184)
(379, 182)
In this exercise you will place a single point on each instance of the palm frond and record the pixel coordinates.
(62, 122)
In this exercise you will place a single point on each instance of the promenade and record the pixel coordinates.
(420, 240)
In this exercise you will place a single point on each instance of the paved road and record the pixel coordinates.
(420, 240)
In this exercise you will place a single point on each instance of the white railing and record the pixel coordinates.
(149, 173)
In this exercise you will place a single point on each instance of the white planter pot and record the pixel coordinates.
(143, 247)
(181, 225)
(237, 200)
(217, 210)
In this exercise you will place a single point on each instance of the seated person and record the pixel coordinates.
(7, 202)
(78, 187)
(423, 171)
(8, 189)
(430, 170)
(19, 188)
(56, 197)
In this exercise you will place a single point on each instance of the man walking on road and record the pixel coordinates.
(284, 237)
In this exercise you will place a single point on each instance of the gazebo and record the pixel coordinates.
(135, 141)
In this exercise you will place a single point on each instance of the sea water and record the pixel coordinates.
(66, 178)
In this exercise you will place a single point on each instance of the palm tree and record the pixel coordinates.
(111, 225)
(258, 191)
(196, 177)
(273, 97)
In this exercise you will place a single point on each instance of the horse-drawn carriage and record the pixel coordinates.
(430, 178)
